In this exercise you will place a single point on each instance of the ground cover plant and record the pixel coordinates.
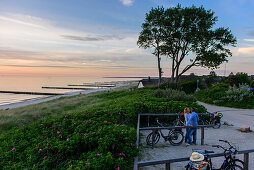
(222, 94)
(98, 137)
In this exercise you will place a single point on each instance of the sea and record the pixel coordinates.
(35, 84)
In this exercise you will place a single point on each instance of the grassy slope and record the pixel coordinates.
(23, 115)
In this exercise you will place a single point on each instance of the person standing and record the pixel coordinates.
(186, 117)
(193, 122)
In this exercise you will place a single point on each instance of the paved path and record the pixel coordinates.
(237, 117)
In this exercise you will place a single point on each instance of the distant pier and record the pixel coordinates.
(93, 85)
(70, 88)
(32, 93)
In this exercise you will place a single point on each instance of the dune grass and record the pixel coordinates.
(24, 115)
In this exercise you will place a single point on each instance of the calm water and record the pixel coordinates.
(34, 84)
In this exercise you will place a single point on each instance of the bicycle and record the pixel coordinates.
(230, 162)
(179, 120)
(214, 119)
(175, 136)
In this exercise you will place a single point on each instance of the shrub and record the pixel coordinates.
(237, 94)
(88, 140)
(252, 84)
(239, 78)
(169, 85)
(188, 86)
(172, 94)
(213, 93)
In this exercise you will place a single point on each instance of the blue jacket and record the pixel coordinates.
(193, 119)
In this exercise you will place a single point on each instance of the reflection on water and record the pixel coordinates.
(34, 84)
(15, 98)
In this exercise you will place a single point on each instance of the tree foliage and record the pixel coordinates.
(152, 34)
(186, 33)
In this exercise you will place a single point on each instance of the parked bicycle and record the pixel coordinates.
(174, 136)
(230, 161)
(179, 120)
(214, 119)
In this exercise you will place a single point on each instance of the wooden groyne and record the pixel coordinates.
(92, 85)
(69, 88)
(32, 93)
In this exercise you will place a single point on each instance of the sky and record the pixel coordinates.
(99, 37)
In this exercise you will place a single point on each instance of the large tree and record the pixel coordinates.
(189, 34)
(151, 35)
(188, 37)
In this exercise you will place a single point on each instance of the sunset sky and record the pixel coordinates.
(98, 37)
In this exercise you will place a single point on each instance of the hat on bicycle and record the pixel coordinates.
(196, 157)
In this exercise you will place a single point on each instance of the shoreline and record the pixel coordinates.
(49, 98)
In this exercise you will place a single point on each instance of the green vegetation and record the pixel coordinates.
(98, 135)
(172, 94)
(188, 86)
(238, 79)
(220, 94)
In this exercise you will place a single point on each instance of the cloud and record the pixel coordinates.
(74, 58)
(42, 66)
(92, 37)
(246, 50)
(251, 40)
(26, 23)
(127, 2)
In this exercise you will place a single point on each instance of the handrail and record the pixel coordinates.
(211, 155)
(166, 114)
(175, 127)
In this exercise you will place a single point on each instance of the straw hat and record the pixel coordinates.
(196, 157)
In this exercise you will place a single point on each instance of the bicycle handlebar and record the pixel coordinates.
(225, 141)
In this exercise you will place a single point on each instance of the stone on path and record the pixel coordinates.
(245, 128)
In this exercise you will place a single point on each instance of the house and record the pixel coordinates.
(251, 77)
(150, 82)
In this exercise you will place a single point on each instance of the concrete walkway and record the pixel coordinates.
(237, 117)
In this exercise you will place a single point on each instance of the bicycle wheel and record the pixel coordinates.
(238, 162)
(149, 139)
(216, 125)
(234, 167)
(176, 137)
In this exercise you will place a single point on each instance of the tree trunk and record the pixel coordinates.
(173, 71)
(177, 72)
(159, 67)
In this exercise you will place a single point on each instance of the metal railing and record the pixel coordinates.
(168, 162)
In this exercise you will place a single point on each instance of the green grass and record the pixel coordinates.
(24, 115)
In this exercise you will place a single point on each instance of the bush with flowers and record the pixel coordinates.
(101, 137)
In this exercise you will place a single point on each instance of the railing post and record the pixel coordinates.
(148, 123)
(202, 135)
(153, 138)
(246, 161)
(167, 166)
